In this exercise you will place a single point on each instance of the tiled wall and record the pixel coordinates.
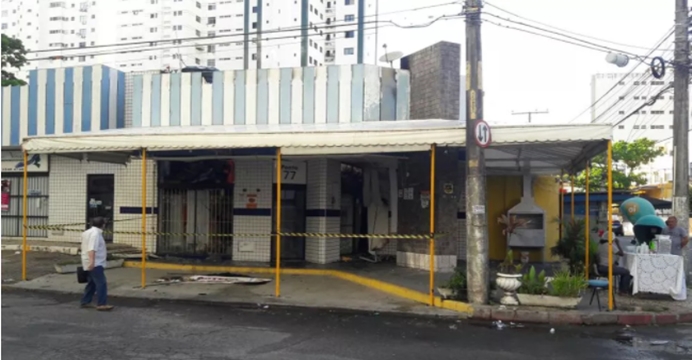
(253, 179)
(461, 215)
(63, 101)
(323, 210)
(68, 194)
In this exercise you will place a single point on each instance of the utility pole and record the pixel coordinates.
(476, 218)
(681, 112)
(530, 113)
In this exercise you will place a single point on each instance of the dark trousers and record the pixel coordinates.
(97, 285)
(624, 274)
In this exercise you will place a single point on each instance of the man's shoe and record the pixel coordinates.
(104, 307)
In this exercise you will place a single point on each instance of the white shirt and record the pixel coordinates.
(92, 240)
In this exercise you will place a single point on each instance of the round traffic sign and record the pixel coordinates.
(482, 134)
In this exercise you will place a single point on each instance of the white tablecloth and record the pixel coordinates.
(657, 273)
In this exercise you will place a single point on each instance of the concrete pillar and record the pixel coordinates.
(323, 213)
(252, 209)
(414, 214)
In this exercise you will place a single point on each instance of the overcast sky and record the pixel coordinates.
(525, 72)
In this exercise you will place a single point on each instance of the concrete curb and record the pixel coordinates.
(564, 317)
(69, 250)
(73, 296)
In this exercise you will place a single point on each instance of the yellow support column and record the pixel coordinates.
(571, 184)
(432, 225)
(587, 232)
(277, 273)
(610, 225)
(144, 218)
(25, 187)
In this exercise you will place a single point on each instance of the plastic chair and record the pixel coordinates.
(599, 284)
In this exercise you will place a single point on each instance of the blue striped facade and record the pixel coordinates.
(310, 95)
(63, 101)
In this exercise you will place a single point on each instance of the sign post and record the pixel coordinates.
(482, 134)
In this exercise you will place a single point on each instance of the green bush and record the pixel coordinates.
(570, 246)
(533, 284)
(564, 284)
(458, 280)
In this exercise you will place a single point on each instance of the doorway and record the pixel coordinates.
(100, 195)
(293, 202)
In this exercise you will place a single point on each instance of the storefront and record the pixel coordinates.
(13, 191)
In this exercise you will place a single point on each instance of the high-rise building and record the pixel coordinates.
(621, 107)
(137, 35)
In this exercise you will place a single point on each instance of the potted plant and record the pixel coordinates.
(570, 247)
(564, 290)
(455, 286)
(508, 279)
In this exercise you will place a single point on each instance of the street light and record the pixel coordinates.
(619, 60)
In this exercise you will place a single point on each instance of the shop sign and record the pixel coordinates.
(292, 172)
(37, 163)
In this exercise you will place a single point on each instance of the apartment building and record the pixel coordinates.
(139, 35)
(621, 107)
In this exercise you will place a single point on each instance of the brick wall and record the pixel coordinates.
(253, 179)
(435, 85)
(68, 194)
(323, 210)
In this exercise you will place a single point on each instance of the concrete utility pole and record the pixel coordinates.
(530, 113)
(476, 218)
(681, 112)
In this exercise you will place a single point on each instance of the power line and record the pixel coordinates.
(593, 105)
(289, 29)
(147, 49)
(566, 31)
(609, 49)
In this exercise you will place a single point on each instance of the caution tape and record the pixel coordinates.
(51, 227)
(289, 234)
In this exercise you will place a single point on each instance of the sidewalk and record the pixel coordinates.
(296, 291)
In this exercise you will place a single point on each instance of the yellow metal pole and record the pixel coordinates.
(587, 233)
(432, 224)
(610, 225)
(571, 184)
(25, 185)
(277, 274)
(144, 218)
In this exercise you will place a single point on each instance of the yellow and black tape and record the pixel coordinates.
(226, 235)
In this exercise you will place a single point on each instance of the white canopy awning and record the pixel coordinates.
(511, 145)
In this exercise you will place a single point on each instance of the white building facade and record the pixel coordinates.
(654, 122)
(155, 34)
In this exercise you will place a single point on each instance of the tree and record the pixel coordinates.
(13, 57)
(630, 154)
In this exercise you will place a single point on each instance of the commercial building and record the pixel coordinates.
(233, 34)
(355, 143)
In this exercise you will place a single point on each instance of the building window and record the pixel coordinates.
(178, 13)
(348, 51)
(657, 127)
(254, 25)
(211, 21)
(82, 58)
(153, 30)
(621, 127)
(350, 34)
(657, 112)
(211, 7)
(349, 18)
(211, 62)
(348, 2)
(621, 112)
(177, 27)
(198, 19)
(153, 16)
(254, 56)
(254, 9)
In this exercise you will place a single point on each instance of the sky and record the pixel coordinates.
(524, 72)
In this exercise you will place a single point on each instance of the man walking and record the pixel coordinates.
(94, 262)
(678, 236)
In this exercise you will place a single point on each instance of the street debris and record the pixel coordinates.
(552, 330)
(224, 279)
(499, 325)
(453, 327)
(659, 342)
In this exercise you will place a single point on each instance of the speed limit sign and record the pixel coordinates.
(482, 134)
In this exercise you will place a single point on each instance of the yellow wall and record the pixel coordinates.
(504, 192)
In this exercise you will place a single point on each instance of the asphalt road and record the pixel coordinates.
(39, 326)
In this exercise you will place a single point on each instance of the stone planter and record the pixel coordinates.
(549, 301)
(509, 283)
(72, 268)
